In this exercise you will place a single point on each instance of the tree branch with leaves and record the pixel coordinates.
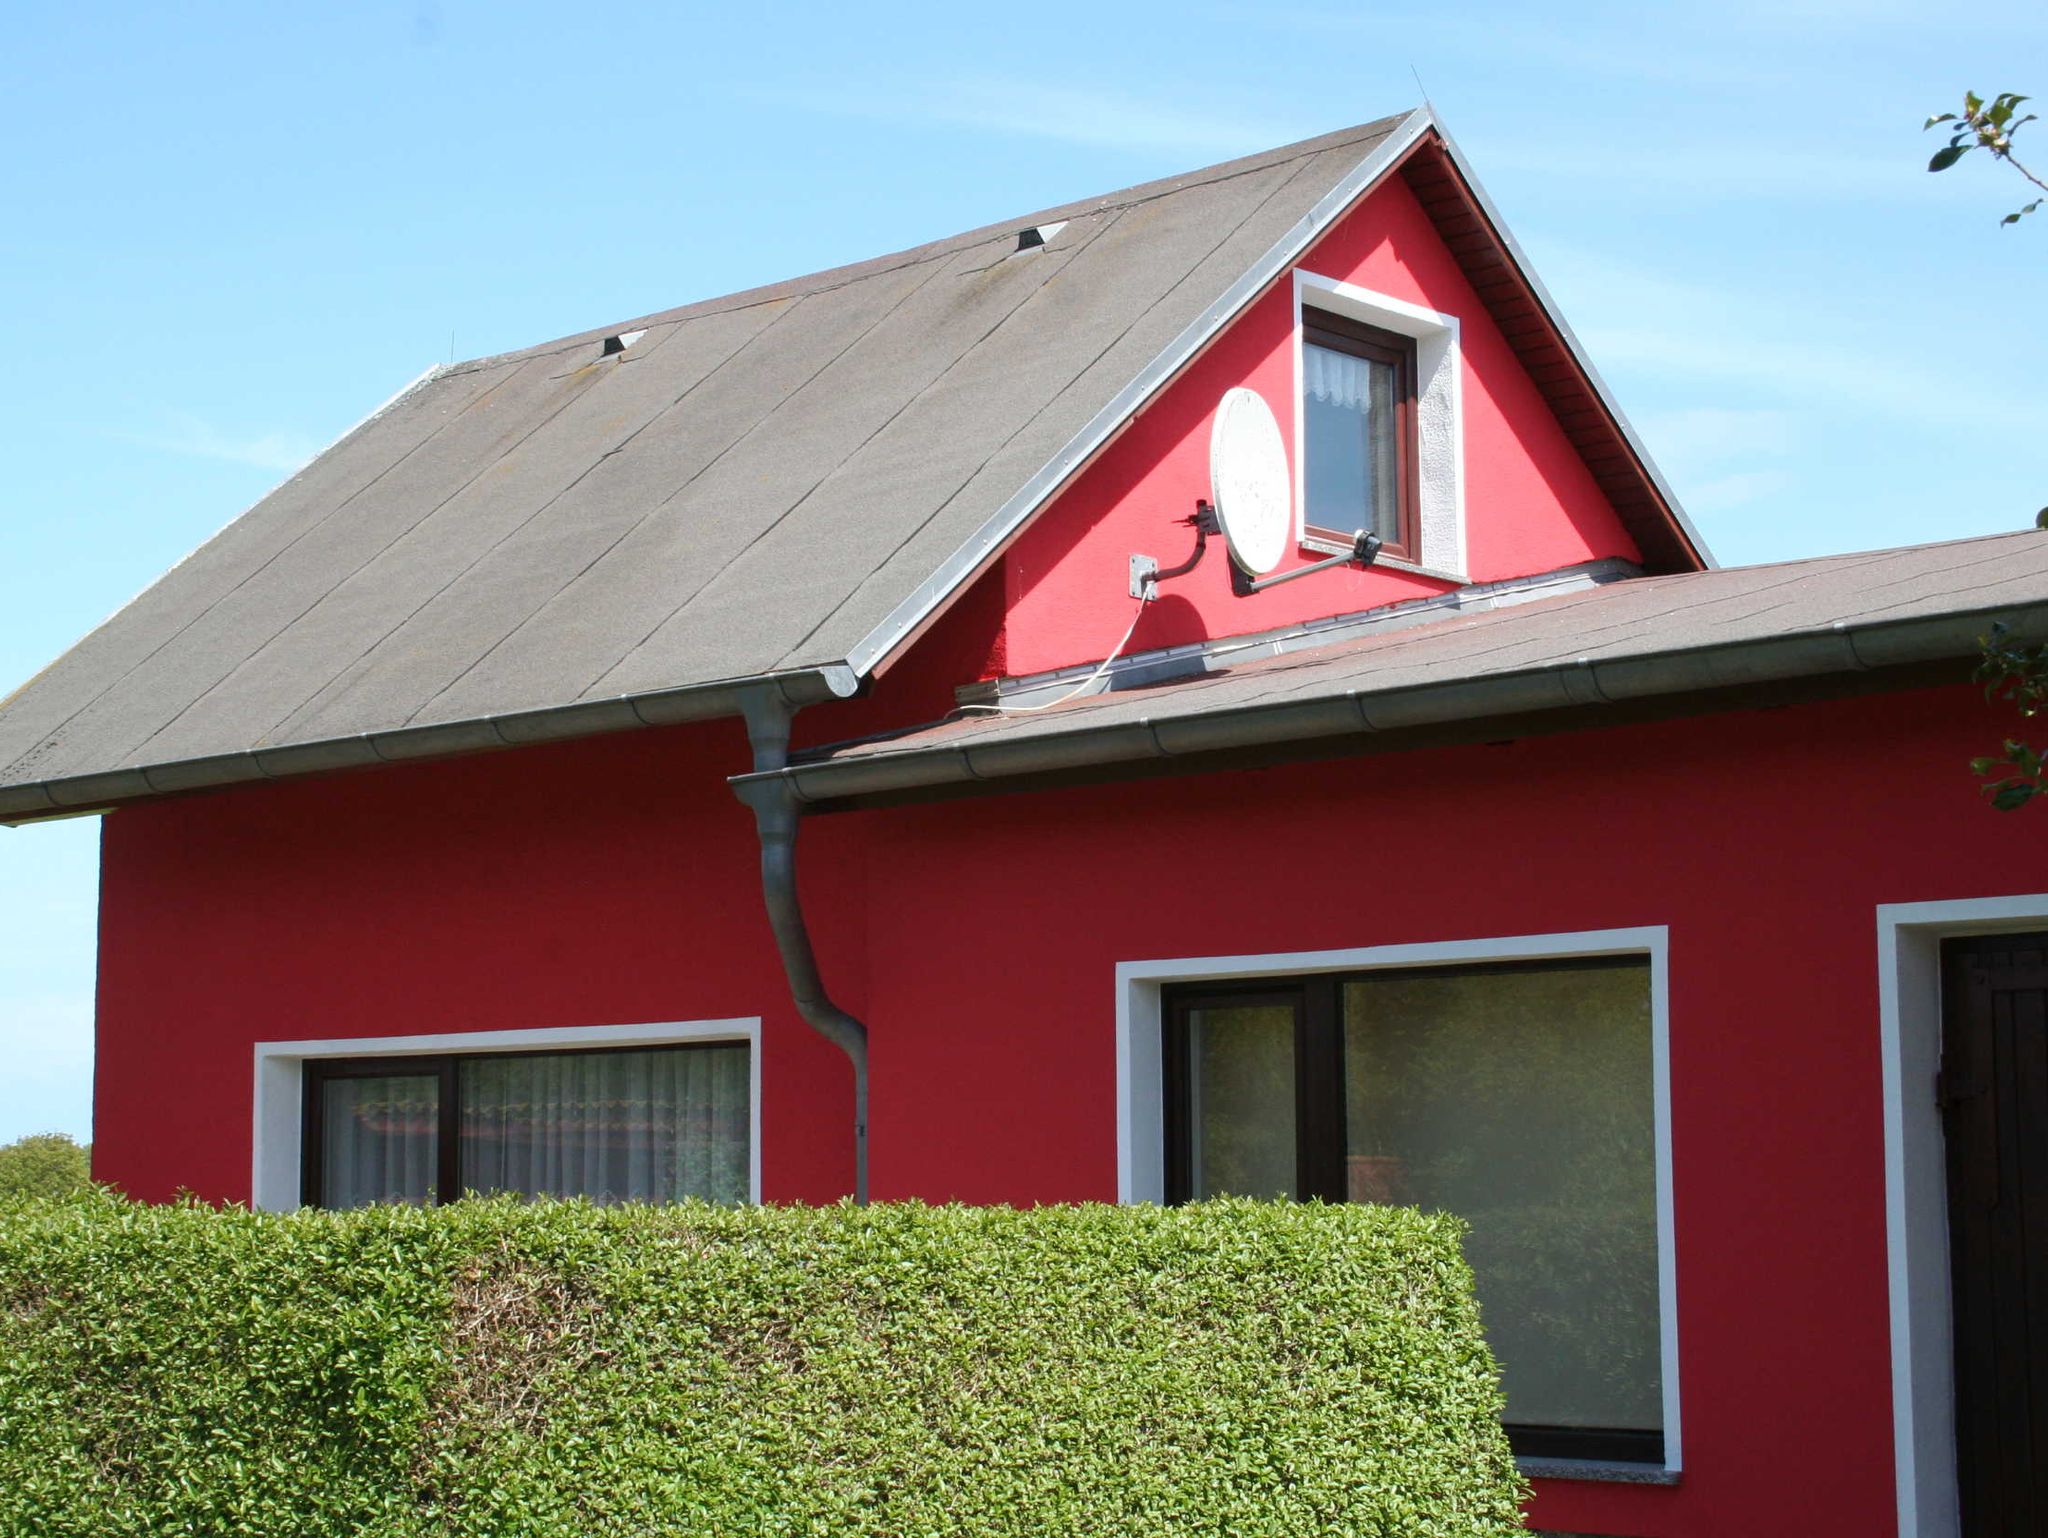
(1991, 129)
(2011, 670)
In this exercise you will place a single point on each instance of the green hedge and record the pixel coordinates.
(493, 1368)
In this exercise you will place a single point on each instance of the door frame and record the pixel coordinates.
(1909, 937)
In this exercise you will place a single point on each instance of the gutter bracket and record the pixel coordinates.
(777, 811)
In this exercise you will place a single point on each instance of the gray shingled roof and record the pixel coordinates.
(1613, 643)
(765, 484)
(780, 485)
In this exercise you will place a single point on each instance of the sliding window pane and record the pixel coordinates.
(651, 1126)
(1520, 1099)
(379, 1139)
(1240, 1066)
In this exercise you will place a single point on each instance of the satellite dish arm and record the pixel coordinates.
(1146, 573)
(1365, 549)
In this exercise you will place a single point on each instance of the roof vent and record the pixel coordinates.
(1031, 238)
(619, 343)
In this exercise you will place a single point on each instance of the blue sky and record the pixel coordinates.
(230, 230)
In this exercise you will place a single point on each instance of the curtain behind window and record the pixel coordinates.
(649, 1126)
(1349, 422)
(380, 1139)
(1521, 1099)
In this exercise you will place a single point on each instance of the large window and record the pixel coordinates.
(1358, 430)
(1518, 1096)
(638, 1124)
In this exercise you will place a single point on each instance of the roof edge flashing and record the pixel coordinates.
(1578, 353)
(31, 801)
(1840, 650)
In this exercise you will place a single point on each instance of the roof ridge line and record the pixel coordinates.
(944, 245)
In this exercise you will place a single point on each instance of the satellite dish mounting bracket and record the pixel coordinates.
(1365, 549)
(1147, 574)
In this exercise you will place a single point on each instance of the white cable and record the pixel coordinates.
(1087, 683)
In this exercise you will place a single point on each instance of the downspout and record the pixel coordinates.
(774, 803)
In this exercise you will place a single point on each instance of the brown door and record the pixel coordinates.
(1994, 1095)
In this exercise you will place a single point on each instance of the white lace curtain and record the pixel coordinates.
(1344, 380)
(655, 1125)
(613, 1126)
(379, 1139)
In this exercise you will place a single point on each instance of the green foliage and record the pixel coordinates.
(1991, 129)
(2014, 775)
(2014, 671)
(1232, 1368)
(44, 1164)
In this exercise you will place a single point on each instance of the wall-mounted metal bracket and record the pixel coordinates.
(1145, 573)
(1365, 549)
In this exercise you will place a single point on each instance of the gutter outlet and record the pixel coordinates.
(776, 809)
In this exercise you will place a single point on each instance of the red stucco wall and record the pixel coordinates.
(615, 880)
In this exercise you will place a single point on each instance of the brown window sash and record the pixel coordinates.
(1341, 334)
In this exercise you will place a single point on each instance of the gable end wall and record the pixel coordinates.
(1531, 503)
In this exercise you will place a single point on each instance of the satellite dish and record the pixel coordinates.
(1248, 478)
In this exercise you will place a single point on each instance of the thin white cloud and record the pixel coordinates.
(1098, 118)
(45, 1034)
(1767, 345)
(1708, 435)
(1423, 33)
(1726, 493)
(1722, 457)
(1727, 170)
(188, 435)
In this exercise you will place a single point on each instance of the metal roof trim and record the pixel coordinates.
(1839, 649)
(30, 800)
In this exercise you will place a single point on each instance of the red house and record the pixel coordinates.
(1517, 861)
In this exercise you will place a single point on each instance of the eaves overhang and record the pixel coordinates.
(1358, 719)
(37, 800)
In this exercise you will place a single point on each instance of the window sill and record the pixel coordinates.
(1317, 546)
(1598, 1471)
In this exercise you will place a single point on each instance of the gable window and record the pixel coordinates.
(1358, 432)
(1518, 1096)
(650, 1124)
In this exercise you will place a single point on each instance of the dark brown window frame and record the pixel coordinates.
(1317, 998)
(1340, 333)
(447, 1068)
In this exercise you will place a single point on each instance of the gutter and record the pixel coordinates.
(1101, 737)
(776, 813)
(661, 707)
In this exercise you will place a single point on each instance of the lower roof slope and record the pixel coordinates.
(1608, 644)
(751, 486)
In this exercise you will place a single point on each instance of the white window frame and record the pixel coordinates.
(1909, 937)
(1141, 1081)
(279, 1115)
(1439, 446)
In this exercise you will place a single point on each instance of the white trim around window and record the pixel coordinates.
(279, 1115)
(1439, 448)
(1909, 937)
(1141, 1089)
